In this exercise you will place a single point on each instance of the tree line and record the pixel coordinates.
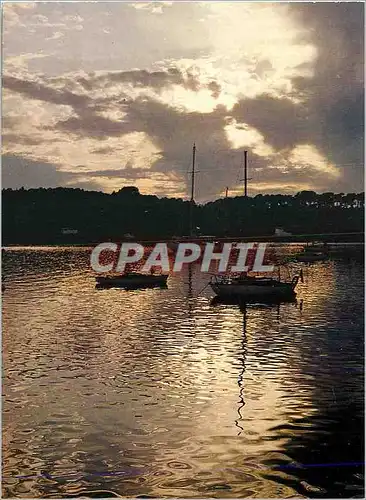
(63, 215)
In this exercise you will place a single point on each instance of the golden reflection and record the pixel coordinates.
(159, 377)
(320, 280)
(241, 375)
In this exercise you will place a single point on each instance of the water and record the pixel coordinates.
(158, 393)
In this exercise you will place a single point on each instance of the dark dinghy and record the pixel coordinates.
(132, 281)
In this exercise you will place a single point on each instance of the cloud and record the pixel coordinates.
(282, 122)
(215, 89)
(173, 131)
(93, 125)
(86, 119)
(21, 139)
(288, 88)
(37, 90)
(17, 172)
(56, 36)
(126, 172)
(143, 78)
(335, 93)
(12, 12)
(103, 151)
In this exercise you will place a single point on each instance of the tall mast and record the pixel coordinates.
(245, 173)
(193, 166)
(191, 205)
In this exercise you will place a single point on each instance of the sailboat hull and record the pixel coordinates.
(132, 281)
(252, 291)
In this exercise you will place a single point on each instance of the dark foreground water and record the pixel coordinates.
(158, 393)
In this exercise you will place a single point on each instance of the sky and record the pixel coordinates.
(108, 94)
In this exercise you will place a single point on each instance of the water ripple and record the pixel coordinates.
(156, 393)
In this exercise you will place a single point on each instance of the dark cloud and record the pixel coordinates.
(173, 132)
(282, 123)
(331, 116)
(103, 151)
(142, 78)
(89, 124)
(215, 89)
(336, 91)
(42, 90)
(17, 172)
(123, 173)
(36, 90)
(9, 122)
(10, 138)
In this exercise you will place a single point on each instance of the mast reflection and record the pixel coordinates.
(243, 307)
(242, 371)
(189, 294)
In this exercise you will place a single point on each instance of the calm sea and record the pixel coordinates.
(158, 393)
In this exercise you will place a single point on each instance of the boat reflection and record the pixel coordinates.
(253, 302)
(243, 306)
(242, 360)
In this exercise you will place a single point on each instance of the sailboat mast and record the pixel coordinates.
(245, 173)
(193, 172)
(191, 205)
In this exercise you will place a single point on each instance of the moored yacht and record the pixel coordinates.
(253, 286)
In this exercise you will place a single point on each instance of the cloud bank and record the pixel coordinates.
(88, 103)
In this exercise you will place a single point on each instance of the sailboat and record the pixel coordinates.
(313, 253)
(248, 287)
(253, 286)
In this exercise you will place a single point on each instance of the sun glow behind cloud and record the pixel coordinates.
(242, 136)
(191, 74)
(306, 155)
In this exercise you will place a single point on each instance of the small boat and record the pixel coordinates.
(313, 253)
(311, 257)
(253, 287)
(132, 281)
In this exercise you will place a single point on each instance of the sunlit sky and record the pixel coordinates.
(104, 95)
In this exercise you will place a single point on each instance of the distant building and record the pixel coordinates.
(69, 231)
(280, 232)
